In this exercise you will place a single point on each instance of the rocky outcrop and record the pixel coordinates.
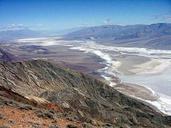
(80, 97)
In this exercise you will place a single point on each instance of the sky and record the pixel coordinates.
(64, 14)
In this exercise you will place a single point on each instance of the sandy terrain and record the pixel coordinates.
(136, 91)
(18, 118)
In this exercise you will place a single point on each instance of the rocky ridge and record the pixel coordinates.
(78, 99)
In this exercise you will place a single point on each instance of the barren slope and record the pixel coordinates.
(82, 98)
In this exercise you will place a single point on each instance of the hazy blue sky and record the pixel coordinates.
(61, 14)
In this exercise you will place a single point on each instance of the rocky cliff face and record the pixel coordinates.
(80, 98)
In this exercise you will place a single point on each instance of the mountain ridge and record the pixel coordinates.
(130, 35)
(78, 95)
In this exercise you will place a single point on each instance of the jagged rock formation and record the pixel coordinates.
(81, 98)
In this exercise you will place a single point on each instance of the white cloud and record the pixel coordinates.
(108, 21)
(163, 17)
(12, 26)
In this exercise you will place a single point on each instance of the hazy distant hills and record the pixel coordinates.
(16, 32)
(152, 36)
(19, 33)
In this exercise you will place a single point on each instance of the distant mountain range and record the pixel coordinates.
(151, 36)
(15, 32)
(18, 33)
(156, 36)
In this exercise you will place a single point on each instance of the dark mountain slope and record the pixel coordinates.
(82, 98)
(6, 56)
(151, 36)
